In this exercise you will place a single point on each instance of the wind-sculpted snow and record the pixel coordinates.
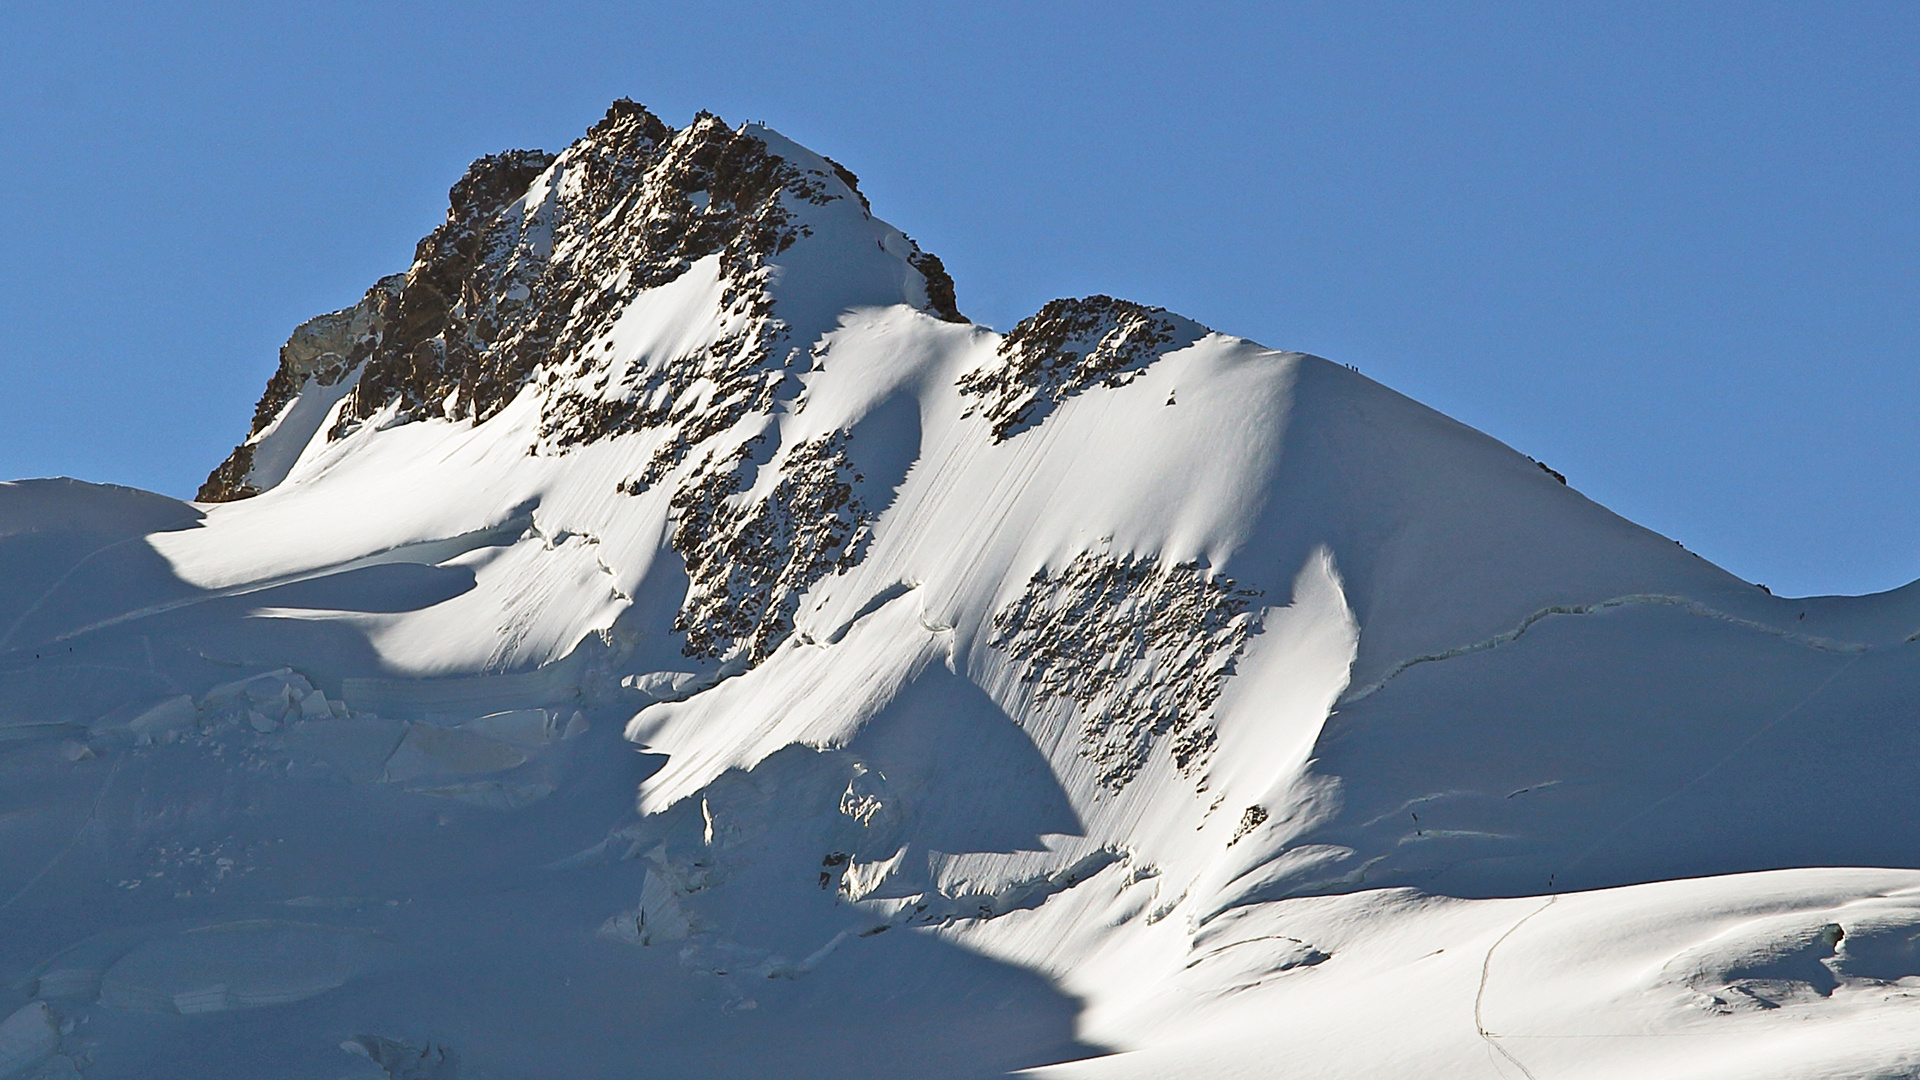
(1069, 346)
(657, 635)
(1141, 650)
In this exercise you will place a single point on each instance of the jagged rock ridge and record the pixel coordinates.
(539, 255)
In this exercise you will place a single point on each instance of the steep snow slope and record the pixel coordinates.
(657, 635)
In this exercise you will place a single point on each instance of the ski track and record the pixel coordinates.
(1691, 607)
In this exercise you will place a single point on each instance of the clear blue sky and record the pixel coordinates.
(1669, 249)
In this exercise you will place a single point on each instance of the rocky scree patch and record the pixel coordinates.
(1141, 651)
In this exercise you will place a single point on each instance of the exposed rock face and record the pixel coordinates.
(228, 480)
(751, 560)
(539, 255)
(940, 295)
(1153, 644)
(454, 318)
(1069, 346)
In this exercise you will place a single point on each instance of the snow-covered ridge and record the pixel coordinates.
(1068, 346)
(656, 634)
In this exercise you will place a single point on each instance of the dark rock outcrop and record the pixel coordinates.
(750, 561)
(1067, 347)
(940, 295)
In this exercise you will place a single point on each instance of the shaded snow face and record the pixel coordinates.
(657, 632)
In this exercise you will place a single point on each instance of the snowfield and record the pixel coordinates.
(659, 636)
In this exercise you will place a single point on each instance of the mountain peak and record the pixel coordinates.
(539, 256)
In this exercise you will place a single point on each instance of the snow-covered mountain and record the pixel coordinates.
(658, 635)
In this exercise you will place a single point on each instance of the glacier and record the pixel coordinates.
(659, 635)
